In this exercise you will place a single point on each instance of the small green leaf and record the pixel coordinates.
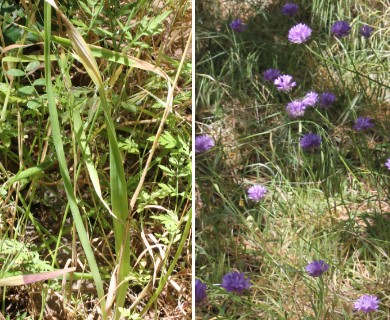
(32, 65)
(166, 170)
(4, 87)
(39, 82)
(16, 73)
(169, 220)
(167, 140)
(26, 91)
(128, 145)
(33, 104)
(154, 25)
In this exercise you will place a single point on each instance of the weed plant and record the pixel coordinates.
(95, 169)
(293, 186)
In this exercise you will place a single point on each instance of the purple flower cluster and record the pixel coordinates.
(366, 303)
(340, 29)
(366, 31)
(310, 99)
(317, 268)
(271, 74)
(235, 282)
(203, 143)
(387, 164)
(238, 26)
(299, 33)
(310, 141)
(327, 99)
(363, 123)
(200, 292)
(257, 192)
(290, 9)
(296, 109)
(284, 83)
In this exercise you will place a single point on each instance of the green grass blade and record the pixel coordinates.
(118, 185)
(56, 133)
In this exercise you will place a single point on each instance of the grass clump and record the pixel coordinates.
(95, 158)
(293, 191)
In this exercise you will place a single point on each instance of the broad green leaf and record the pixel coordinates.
(39, 82)
(32, 65)
(16, 73)
(26, 91)
(34, 104)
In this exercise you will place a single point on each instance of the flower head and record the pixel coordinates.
(317, 268)
(296, 109)
(203, 143)
(300, 33)
(327, 99)
(310, 141)
(310, 99)
(363, 123)
(257, 192)
(200, 292)
(271, 74)
(366, 31)
(290, 9)
(366, 303)
(340, 29)
(284, 83)
(238, 26)
(387, 164)
(235, 282)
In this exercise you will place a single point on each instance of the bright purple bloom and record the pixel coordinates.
(387, 164)
(271, 74)
(290, 9)
(257, 192)
(296, 109)
(363, 123)
(238, 26)
(284, 83)
(300, 33)
(310, 99)
(203, 143)
(235, 282)
(327, 99)
(200, 292)
(317, 268)
(366, 303)
(310, 141)
(366, 31)
(340, 29)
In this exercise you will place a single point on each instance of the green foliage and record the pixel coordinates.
(133, 45)
(129, 315)
(19, 256)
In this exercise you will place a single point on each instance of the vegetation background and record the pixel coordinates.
(332, 204)
(78, 146)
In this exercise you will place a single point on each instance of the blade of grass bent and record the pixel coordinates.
(82, 140)
(56, 133)
(117, 175)
(31, 278)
